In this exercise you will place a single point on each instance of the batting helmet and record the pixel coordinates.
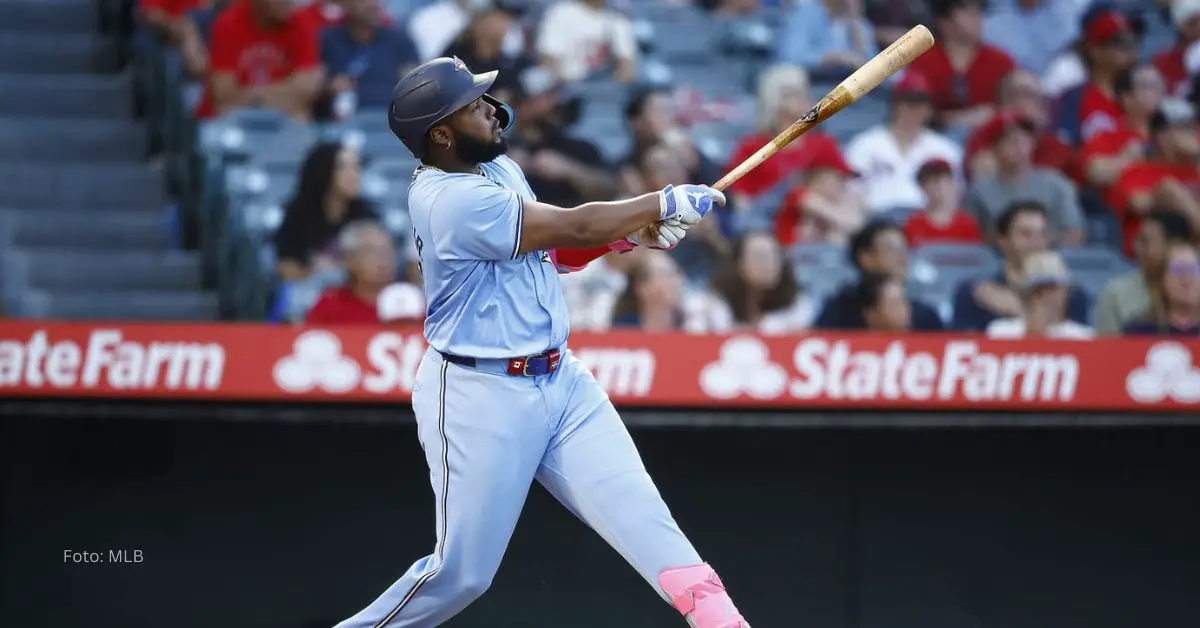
(433, 90)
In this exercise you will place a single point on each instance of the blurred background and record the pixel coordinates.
(1036, 175)
(182, 160)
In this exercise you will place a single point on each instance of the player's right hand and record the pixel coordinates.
(687, 204)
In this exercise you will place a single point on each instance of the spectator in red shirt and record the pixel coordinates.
(942, 220)
(825, 208)
(963, 72)
(1020, 93)
(1139, 90)
(1110, 48)
(264, 54)
(1186, 16)
(370, 260)
(783, 96)
(1169, 178)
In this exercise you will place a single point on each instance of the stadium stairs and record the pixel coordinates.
(87, 229)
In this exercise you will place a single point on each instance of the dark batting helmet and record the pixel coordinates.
(433, 90)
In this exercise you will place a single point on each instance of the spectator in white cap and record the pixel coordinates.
(1044, 292)
(1172, 63)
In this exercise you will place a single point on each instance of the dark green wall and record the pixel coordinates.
(295, 525)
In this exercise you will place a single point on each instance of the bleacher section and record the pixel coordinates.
(87, 228)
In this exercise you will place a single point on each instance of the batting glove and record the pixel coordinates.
(660, 235)
(685, 205)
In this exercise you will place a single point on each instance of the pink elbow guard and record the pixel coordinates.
(697, 593)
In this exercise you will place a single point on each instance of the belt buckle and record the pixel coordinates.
(525, 367)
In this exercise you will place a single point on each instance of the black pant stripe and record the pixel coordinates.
(443, 499)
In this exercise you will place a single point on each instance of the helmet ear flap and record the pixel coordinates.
(504, 113)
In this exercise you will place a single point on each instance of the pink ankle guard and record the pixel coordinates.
(698, 594)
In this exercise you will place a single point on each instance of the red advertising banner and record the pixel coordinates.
(917, 372)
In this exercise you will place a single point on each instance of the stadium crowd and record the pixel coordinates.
(1030, 124)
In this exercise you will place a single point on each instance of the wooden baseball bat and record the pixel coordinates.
(866, 78)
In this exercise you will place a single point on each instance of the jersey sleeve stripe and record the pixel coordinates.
(520, 219)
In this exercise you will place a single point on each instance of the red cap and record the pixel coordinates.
(937, 165)
(999, 126)
(910, 85)
(831, 160)
(1107, 26)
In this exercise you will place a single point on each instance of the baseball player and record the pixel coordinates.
(499, 399)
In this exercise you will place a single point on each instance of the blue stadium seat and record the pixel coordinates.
(1093, 258)
(936, 270)
(818, 255)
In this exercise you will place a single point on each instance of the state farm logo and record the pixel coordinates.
(317, 362)
(107, 359)
(1167, 374)
(833, 370)
(745, 366)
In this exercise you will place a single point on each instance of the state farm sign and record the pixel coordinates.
(107, 359)
(960, 371)
(825, 369)
(377, 364)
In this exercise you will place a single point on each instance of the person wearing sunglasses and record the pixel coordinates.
(1125, 299)
(1174, 297)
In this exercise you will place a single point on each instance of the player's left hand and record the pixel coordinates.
(686, 205)
(659, 235)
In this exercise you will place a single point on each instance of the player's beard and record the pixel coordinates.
(472, 151)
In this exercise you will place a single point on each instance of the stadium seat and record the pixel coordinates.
(936, 269)
(818, 255)
(251, 132)
(1104, 230)
(1093, 258)
(1092, 281)
(820, 283)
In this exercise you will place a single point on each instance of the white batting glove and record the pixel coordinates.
(660, 235)
(686, 205)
